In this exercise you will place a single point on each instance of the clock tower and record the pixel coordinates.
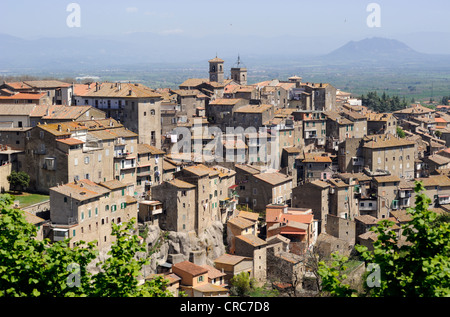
(216, 73)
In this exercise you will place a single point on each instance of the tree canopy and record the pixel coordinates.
(18, 180)
(383, 103)
(34, 268)
(418, 267)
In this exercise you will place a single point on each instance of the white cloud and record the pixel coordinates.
(174, 31)
(131, 10)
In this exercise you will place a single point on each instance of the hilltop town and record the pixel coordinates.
(258, 178)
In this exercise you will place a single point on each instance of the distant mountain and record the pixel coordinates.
(376, 50)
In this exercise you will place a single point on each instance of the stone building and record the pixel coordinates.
(150, 161)
(389, 153)
(314, 195)
(350, 156)
(220, 112)
(253, 116)
(381, 123)
(96, 150)
(178, 199)
(343, 229)
(314, 127)
(258, 188)
(249, 245)
(135, 105)
(85, 211)
(56, 92)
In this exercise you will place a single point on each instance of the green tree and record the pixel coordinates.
(418, 268)
(29, 267)
(32, 268)
(332, 277)
(241, 284)
(19, 180)
(119, 272)
(401, 133)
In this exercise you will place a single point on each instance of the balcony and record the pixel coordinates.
(120, 154)
(358, 161)
(405, 194)
(443, 199)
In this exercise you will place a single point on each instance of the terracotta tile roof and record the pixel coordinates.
(18, 110)
(224, 102)
(70, 141)
(181, 184)
(385, 141)
(113, 184)
(387, 179)
(252, 240)
(367, 219)
(111, 90)
(274, 178)
(56, 112)
(216, 60)
(240, 222)
(213, 272)
(254, 109)
(190, 268)
(210, 288)
(317, 159)
(81, 190)
(201, 170)
(46, 84)
(18, 85)
(252, 216)
(435, 180)
(193, 82)
(24, 96)
(320, 183)
(415, 109)
(33, 219)
(230, 259)
(146, 148)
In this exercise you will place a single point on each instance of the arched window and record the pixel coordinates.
(152, 112)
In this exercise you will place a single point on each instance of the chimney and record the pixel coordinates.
(59, 128)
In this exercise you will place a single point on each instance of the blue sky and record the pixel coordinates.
(323, 25)
(39, 18)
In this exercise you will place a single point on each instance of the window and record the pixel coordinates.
(86, 160)
(200, 278)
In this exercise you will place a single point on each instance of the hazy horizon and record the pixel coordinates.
(324, 26)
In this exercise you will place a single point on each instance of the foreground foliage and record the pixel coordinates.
(33, 268)
(419, 267)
